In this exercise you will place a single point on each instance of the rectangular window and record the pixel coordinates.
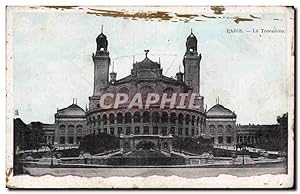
(187, 131)
(213, 140)
(62, 140)
(112, 131)
(228, 139)
(146, 130)
(155, 130)
(137, 130)
(128, 129)
(172, 131)
(164, 131)
(193, 131)
(120, 130)
(105, 130)
(78, 139)
(180, 131)
(220, 140)
(71, 140)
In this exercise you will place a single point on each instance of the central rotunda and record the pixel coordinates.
(153, 126)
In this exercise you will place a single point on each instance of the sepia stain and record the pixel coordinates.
(218, 9)
(162, 15)
(213, 17)
(240, 19)
(190, 16)
(255, 17)
(156, 15)
(60, 7)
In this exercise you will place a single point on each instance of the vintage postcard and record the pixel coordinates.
(150, 97)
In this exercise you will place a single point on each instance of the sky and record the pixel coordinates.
(52, 57)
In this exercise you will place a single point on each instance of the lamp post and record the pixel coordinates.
(243, 153)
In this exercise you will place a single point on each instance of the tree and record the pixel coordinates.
(99, 143)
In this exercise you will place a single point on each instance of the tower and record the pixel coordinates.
(101, 63)
(191, 63)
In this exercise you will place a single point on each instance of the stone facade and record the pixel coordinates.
(221, 126)
(70, 125)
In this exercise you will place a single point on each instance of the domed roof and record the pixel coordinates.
(146, 64)
(72, 110)
(191, 37)
(101, 36)
(220, 111)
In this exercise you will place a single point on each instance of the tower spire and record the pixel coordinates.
(113, 65)
(101, 29)
(191, 30)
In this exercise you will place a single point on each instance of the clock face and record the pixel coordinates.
(100, 66)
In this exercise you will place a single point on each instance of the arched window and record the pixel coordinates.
(127, 117)
(104, 119)
(62, 129)
(146, 117)
(79, 129)
(119, 118)
(145, 90)
(169, 91)
(136, 117)
(212, 129)
(173, 118)
(193, 120)
(187, 119)
(228, 129)
(111, 118)
(220, 128)
(124, 90)
(98, 120)
(180, 119)
(94, 121)
(164, 117)
(155, 117)
(71, 129)
(198, 122)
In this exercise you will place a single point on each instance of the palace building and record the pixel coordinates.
(140, 124)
